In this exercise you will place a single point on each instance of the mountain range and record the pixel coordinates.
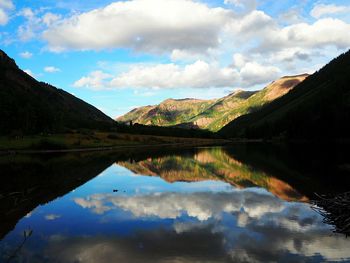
(318, 108)
(210, 114)
(30, 106)
(299, 107)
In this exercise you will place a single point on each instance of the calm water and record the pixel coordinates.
(234, 204)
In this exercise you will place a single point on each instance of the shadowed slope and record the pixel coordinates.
(29, 106)
(317, 108)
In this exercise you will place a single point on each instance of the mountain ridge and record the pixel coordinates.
(30, 106)
(318, 108)
(209, 114)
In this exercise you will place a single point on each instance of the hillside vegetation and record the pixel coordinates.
(30, 106)
(317, 108)
(210, 114)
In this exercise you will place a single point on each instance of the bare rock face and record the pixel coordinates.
(283, 85)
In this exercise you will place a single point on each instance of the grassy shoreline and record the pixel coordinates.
(93, 141)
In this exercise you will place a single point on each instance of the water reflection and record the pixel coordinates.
(213, 164)
(203, 205)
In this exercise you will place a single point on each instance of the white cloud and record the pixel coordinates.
(51, 69)
(50, 18)
(5, 6)
(253, 73)
(95, 80)
(243, 4)
(197, 75)
(35, 22)
(259, 33)
(26, 31)
(331, 9)
(291, 16)
(3, 17)
(27, 13)
(26, 54)
(141, 26)
(252, 25)
(29, 72)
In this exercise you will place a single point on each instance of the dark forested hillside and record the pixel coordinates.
(318, 108)
(29, 106)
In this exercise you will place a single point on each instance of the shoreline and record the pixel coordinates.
(112, 148)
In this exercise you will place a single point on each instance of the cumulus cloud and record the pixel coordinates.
(324, 32)
(262, 34)
(200, 74)
(51, 69)
(26, 54)
(139, 25)
(95, 80)
(243, 4)
(331, 9)
(197, 75)
(35, 21)
(50, 18)
(3, 17)
(5, 6)
(253, 73)
(252, 25)
(27, 30)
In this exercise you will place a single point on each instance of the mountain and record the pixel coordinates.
(29, 106)
(317, 108)
(210, 114)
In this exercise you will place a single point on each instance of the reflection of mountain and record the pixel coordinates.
(28, 182)
(212, 164)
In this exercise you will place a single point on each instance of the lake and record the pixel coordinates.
(242, 203)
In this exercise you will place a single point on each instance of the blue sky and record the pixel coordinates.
(118, 55)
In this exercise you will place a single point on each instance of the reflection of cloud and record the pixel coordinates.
(95, 203)
(51, 217)
(259, 241)
(253, 227)
(151, 246)
(202, 206)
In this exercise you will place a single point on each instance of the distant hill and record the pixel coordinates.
(210, 114)
(29, 106)
(317, 108)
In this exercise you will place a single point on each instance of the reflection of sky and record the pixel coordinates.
(150, 220)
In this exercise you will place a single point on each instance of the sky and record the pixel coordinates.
(118, 55)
